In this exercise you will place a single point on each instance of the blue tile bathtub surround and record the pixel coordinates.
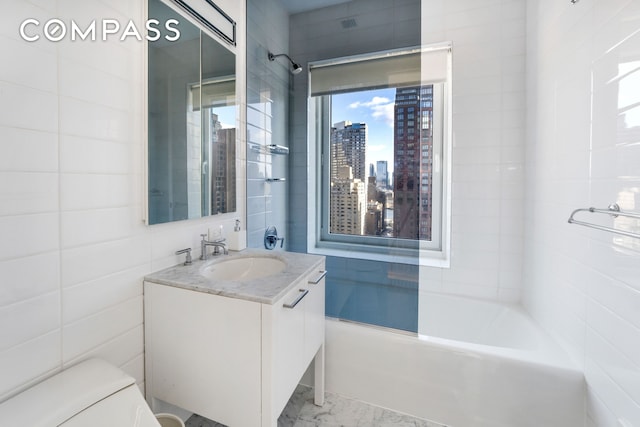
(378, 293)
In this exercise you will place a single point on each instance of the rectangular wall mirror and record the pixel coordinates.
(191, 122)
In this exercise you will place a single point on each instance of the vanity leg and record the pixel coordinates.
(318, 377)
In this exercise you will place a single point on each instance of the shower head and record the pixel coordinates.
(295, 67)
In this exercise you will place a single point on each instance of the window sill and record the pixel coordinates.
(426, 258)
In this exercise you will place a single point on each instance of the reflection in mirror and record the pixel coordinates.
(191, 127)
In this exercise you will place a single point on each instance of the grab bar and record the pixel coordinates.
(614, 211)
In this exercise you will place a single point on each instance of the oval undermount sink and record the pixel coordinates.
(244, 268)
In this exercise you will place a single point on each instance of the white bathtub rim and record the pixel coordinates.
(557, 360)
(546, 349)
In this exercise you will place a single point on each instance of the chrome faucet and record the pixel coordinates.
(271, 238)
(217, 244)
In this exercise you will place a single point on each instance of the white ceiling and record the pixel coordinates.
(297, 6)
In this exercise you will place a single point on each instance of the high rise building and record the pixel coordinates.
(372, 189)
(413, 162)
(348, 203)
(222, 168)
(348, 148)
(382, 174)
(374, 219)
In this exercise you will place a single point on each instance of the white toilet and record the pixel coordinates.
(92, 393)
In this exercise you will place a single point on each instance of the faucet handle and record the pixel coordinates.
(271, 238)
(187, 251)
(204, 236)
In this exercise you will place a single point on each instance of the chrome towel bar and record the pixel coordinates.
(614, 211)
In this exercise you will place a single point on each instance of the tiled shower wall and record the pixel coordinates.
(267, 119)
(73, 246)
(488, 121)
(583, 150)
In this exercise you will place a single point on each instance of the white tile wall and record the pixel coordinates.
(20, 114)
(582, 150)
(28, 192)
(488, 39)
(74, 248)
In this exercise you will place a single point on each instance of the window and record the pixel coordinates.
(391, 107)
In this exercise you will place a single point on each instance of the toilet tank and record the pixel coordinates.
(92, 393)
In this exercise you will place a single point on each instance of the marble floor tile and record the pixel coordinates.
(337, 411)
(198, 421)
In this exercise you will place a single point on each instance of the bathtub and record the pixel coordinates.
(475, 364)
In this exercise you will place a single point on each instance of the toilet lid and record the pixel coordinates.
(64, 395)
(125, 408)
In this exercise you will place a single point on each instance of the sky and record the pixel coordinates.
(226, 116)
(375, 108)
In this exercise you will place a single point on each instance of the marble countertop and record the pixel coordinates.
(266, 290)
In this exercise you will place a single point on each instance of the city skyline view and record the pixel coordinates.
(393, 128)
(375, 108)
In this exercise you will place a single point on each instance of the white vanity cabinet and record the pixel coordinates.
(296, 336)
(233, 360)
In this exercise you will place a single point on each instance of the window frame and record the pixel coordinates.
(390, 249)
